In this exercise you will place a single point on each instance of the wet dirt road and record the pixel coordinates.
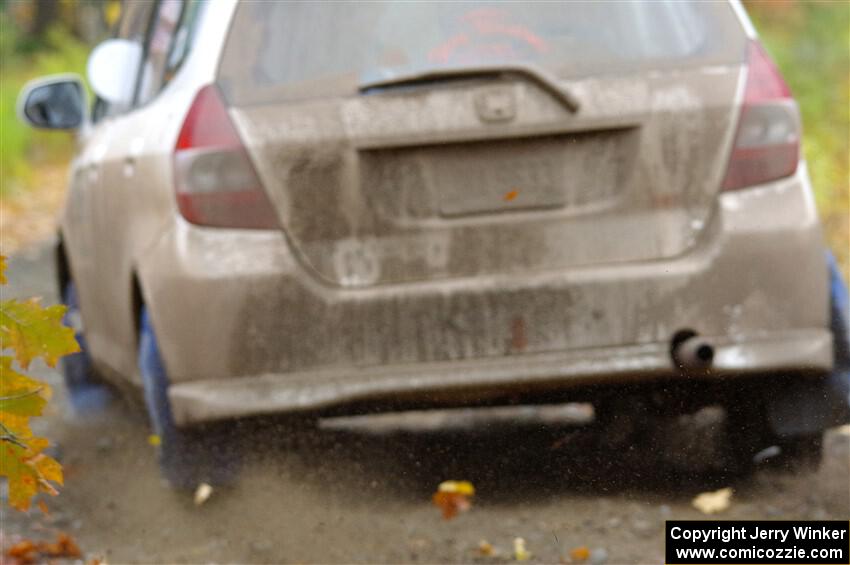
(358, 490)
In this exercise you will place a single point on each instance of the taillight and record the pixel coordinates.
(767, 144)
(215, 180)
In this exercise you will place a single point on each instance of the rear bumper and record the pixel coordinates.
(245, 329)
(475, 381)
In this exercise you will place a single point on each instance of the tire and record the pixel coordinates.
(85, 392)
(839, 380)
(750, 437)
(839, 306)
(187, 457)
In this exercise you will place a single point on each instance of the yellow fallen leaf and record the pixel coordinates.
(452, 497)
(457, 487)
(713, 502)
(485, 548)
(154, 440)
(451, 503)
(579, 554)
(520, 552)
(202, 493)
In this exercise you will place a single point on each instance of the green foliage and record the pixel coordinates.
(20, 146)
(30, 331)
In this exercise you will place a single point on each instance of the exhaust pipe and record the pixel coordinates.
(690, 352)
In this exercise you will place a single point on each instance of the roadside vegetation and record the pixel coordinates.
(39, 38)
(25, 150)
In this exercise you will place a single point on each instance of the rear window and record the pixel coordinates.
(308, 49)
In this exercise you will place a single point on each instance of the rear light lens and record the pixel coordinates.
(215, 180)
(767, 143)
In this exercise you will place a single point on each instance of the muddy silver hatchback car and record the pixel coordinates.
(305, 207)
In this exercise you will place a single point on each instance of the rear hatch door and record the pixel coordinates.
(423, 141)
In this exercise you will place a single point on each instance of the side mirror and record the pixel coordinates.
(112, 70)
(53, 102)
